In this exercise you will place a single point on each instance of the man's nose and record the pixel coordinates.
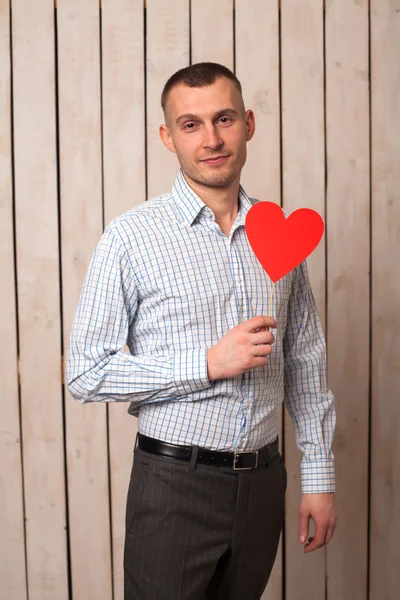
(212, 138)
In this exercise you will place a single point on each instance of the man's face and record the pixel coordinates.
(208, 123)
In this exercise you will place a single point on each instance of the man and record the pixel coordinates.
(176, 280)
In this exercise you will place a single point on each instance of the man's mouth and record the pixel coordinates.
(216, 160)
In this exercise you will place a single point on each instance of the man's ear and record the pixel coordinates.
(250, 125)
(166, 138)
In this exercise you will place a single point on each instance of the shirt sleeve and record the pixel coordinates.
(97, 369)
(310, 403)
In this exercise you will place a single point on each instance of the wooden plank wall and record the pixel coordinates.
(348, 254)
(385, 300)
(80, 88)
(12, 572)
(37, 253)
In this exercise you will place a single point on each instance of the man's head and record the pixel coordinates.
(205, 118)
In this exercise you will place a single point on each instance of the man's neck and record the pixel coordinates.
(224, 202)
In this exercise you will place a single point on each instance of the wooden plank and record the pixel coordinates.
(303, 186)
(167, 51)
(347, 102)
(12, 541)
(212, 31)
(38, 297)
(257, 67)
(81, 228)
(123, 105)
(124, 187)
(385, 446)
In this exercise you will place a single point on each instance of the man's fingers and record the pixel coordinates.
(263, 339)
(319, 538)
(260, 322)
(304, 520)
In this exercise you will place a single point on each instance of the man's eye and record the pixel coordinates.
(225, 119)
(189, 125)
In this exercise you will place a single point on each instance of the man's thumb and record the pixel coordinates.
(304, 520)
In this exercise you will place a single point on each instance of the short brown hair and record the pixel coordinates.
(198, 75)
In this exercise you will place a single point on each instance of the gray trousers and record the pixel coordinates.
(199, 532)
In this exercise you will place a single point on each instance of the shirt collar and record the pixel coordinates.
(190, 204)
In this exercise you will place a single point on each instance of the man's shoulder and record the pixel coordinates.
(141, 215)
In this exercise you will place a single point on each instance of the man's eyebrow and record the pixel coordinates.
(192, 117)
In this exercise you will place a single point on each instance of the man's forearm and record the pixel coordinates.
(123, 377)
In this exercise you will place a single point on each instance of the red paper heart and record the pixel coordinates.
(281, 243)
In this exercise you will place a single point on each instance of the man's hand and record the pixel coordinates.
(321, 508)
(241, 349)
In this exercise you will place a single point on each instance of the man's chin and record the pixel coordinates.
(214, 179)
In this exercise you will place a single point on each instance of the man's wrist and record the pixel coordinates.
(211, 371)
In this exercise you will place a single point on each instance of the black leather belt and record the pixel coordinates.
(238, 461)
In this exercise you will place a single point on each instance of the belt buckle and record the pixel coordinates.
(235, 455)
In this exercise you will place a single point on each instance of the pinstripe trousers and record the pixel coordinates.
(200, 532)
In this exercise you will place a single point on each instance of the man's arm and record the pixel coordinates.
(97, 367)
(312, 409)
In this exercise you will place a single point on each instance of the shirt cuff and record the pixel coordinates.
(318, 477)
(190, 371)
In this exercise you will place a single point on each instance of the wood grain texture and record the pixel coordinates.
(348, 212)
(257, 37)
(385, 442)
(124, 187)
(303, 186)
(81, 228)
(212, 31)
(167, 52)
(38, 297)
(123, 94)
(12, 546)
